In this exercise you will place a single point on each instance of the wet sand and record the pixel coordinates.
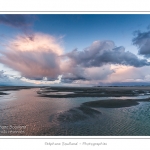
(77, 114)
(86, 110)
(92, 91)
(115, 103)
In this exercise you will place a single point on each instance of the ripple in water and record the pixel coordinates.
(67, 116)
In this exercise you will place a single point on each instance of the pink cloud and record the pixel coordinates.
(41, 56)
(35, 56)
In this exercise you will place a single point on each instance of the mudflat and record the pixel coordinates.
(115, 103)
(63, 92)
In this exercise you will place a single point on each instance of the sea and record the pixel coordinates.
(25, 113)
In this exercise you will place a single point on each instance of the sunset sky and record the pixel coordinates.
(75, 50)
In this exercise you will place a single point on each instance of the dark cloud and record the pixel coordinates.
(34, 78)
(72, 74)
(105, 52)
(70, 77)
(41, 78)
(17, 20)
(94, 62)
(142, 41)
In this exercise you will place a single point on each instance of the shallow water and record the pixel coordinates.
(41, 116)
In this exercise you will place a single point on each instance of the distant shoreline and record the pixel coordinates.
(57, 92)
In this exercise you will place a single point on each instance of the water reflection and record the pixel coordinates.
(43, 116)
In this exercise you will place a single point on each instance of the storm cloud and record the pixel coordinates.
(142, 41)
(40, 56)
(94, 62)
(17, 20)
(72, 74)
(105, 52)
(35, 57)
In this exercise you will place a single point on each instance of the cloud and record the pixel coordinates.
(17, 20)
(94, 62)
(87, 74)
(105, 52)
(39, 58)
(6, 79)
(35, 56)
(142, 41)
(117, 75)
(71, 73)
(44, 81)
(3, 76)
(128, 75)
(98, 73)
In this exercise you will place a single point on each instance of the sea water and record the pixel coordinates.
(23, 112)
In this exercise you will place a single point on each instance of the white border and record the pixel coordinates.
(74, 7)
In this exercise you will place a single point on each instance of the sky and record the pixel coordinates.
(75, 49)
